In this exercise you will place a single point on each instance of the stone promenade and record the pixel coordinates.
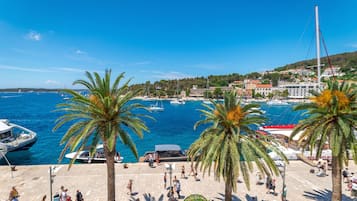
(33, 183)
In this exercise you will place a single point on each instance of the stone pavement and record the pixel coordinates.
(32, 182)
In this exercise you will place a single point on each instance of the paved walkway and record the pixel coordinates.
(33, 183)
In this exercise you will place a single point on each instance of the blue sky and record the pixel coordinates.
(51, 43)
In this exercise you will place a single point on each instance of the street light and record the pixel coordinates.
(282, 169)
(169, 167)
(51, 180)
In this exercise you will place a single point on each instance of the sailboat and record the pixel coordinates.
(177, 101)
(206, 101)
(286, 130)
(156, 107)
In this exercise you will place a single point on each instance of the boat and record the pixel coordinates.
(3, 151)
(277, 102)
(98, 156)
(207, 102)
(166, 153)
(156, 107)
(177, 101)
(15, 137)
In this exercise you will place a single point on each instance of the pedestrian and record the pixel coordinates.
(170, 194)
(79, 196)
(165, 180)
(178, 188)
(273, 185)
(63, 196)
(192, 170)
(183, 172)
(130, 187)
(345, 175)
(157, 158)
(14, 194)
(44, 198)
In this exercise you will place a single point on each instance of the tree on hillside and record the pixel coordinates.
(103, 117)
(229, 146)
(333, 119)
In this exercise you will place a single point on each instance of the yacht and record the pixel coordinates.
(166, 153)
(277, 102)
(15, 137)
(98, 156)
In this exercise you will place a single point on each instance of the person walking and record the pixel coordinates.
(130, 187)
(165, 180)
(178, 188)
(63, 195)
(183, 172)
(79, 196)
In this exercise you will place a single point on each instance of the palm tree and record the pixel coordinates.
(104, 116)
(333, 119)
(230, 145)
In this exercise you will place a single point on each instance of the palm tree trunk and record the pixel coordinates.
(228, 191)
(336, 179)
(110, 175)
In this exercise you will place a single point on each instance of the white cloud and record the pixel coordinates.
(34, 35)
(80, 52)
(170, 75)
(52, 82)
(77, 70)
(354, 45)
(26, 69)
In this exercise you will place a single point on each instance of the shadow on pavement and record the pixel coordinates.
(235, 198)
(324, 195)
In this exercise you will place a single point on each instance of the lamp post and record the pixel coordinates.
(284, 191)
(51, 181)
(170, 167)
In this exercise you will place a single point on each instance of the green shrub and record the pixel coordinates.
(195, 197)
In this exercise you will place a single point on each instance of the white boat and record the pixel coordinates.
(177, 102)
(3, 151)
(16, 137)
(156, 107)
(277, 102)
(98, 157)
(166, 153)
(207, 102)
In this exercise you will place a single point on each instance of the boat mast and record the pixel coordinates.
(318, 45)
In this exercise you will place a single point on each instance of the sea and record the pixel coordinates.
(174, 125)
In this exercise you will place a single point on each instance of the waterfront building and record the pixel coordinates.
(299, 90)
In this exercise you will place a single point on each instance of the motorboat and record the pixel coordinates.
(277, 102)
(177, 102)
(15, 137)
(98, 156)
(166, 153)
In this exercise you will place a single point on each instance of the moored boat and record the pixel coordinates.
(166, 153)
(98, 156)
(15, 137)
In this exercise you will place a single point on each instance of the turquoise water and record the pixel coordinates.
(174, 125)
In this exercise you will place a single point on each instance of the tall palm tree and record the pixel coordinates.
(230, 145)
(333, 119)
(103, 117)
